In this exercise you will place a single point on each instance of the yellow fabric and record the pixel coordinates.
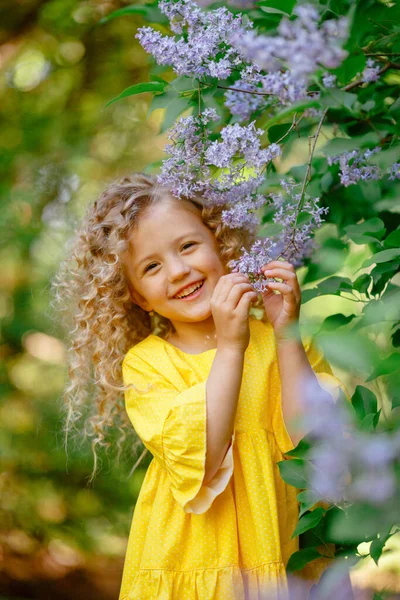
(230, 539)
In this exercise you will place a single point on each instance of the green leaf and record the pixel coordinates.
(335, 321)
(350, 67)
(372, 227)
(284, 6)
(381, 257)
(139, 88)
(385, 366)
(293, 472)
(277, 131)
(301, 558)
(364, 402)
(307, 500)
(333, 285)
(301, 449)
(303, 217)
(174, 109)
(338, 145)
(362, 283)
(344, 348)
(369, 422)
(150, 12)
(308, 521)
(393, 239)
(377, 546)
(296, 107)
(338, 99)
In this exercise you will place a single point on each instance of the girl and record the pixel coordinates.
(209, 390)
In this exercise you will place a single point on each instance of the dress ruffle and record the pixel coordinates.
(264, 582)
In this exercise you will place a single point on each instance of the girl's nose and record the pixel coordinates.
(177, 269)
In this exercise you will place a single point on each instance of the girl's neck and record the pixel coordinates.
(194, 337)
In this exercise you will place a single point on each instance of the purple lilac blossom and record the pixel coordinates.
(352, 172)
(264, 250)
(206, 37)
(181, 172)
(371, 72)
(329, 80)
(394, 171)
(301, 45)
(346, 464)
(192, 155)
(251, 261)
(286, 213)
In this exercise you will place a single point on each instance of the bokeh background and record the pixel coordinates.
(59, 147)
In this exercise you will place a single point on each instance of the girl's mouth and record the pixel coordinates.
(193, 294)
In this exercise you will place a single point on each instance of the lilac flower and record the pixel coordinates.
(242, 104)
(301, 46)
(394, 171)
(328, 80)
(346, 464)
(206, 36)
(286, 86)
(374, 486)
(329, 474)
(243, 141)
(300, 245)
(251, 261)
(184, 172)
(241, 215)
(352, 172)
(371, 71)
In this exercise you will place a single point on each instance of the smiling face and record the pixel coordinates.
(171, 247)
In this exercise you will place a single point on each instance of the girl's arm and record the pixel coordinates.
(293, 367)
(230, 305)
(222, 391)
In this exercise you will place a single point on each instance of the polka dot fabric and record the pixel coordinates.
(229, 539)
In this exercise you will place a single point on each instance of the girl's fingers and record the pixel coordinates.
(282, 273)
(290, 279)
(285, 289)
(278, 263)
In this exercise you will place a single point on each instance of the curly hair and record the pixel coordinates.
(99, 319)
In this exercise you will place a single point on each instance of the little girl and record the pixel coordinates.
(209, 390)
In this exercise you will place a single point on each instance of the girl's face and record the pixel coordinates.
(171, 247)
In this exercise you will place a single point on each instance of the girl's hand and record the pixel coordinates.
(230, 305)
(282, 309)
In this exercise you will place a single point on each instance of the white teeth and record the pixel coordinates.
(190, 290)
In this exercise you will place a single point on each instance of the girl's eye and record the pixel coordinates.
(148, 267)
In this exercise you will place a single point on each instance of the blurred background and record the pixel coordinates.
(59, 147)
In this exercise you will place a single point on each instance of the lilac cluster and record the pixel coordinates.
(202, 37)
(185, 171)
(353, 166)
(301, 46)
(296, 243)
(279, 88)
(292, 244)
(348, 465)
(329, 80)
(371, 72)
(394, 171)
(194, 160)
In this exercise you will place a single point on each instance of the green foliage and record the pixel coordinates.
(60, 121)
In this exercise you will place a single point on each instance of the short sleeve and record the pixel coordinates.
(172, 425)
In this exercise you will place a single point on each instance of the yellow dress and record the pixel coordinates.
(231, 539)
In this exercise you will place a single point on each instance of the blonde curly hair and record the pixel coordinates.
(98, 316)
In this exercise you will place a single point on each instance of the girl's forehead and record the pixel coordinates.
(164, 220)
(168, 213)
